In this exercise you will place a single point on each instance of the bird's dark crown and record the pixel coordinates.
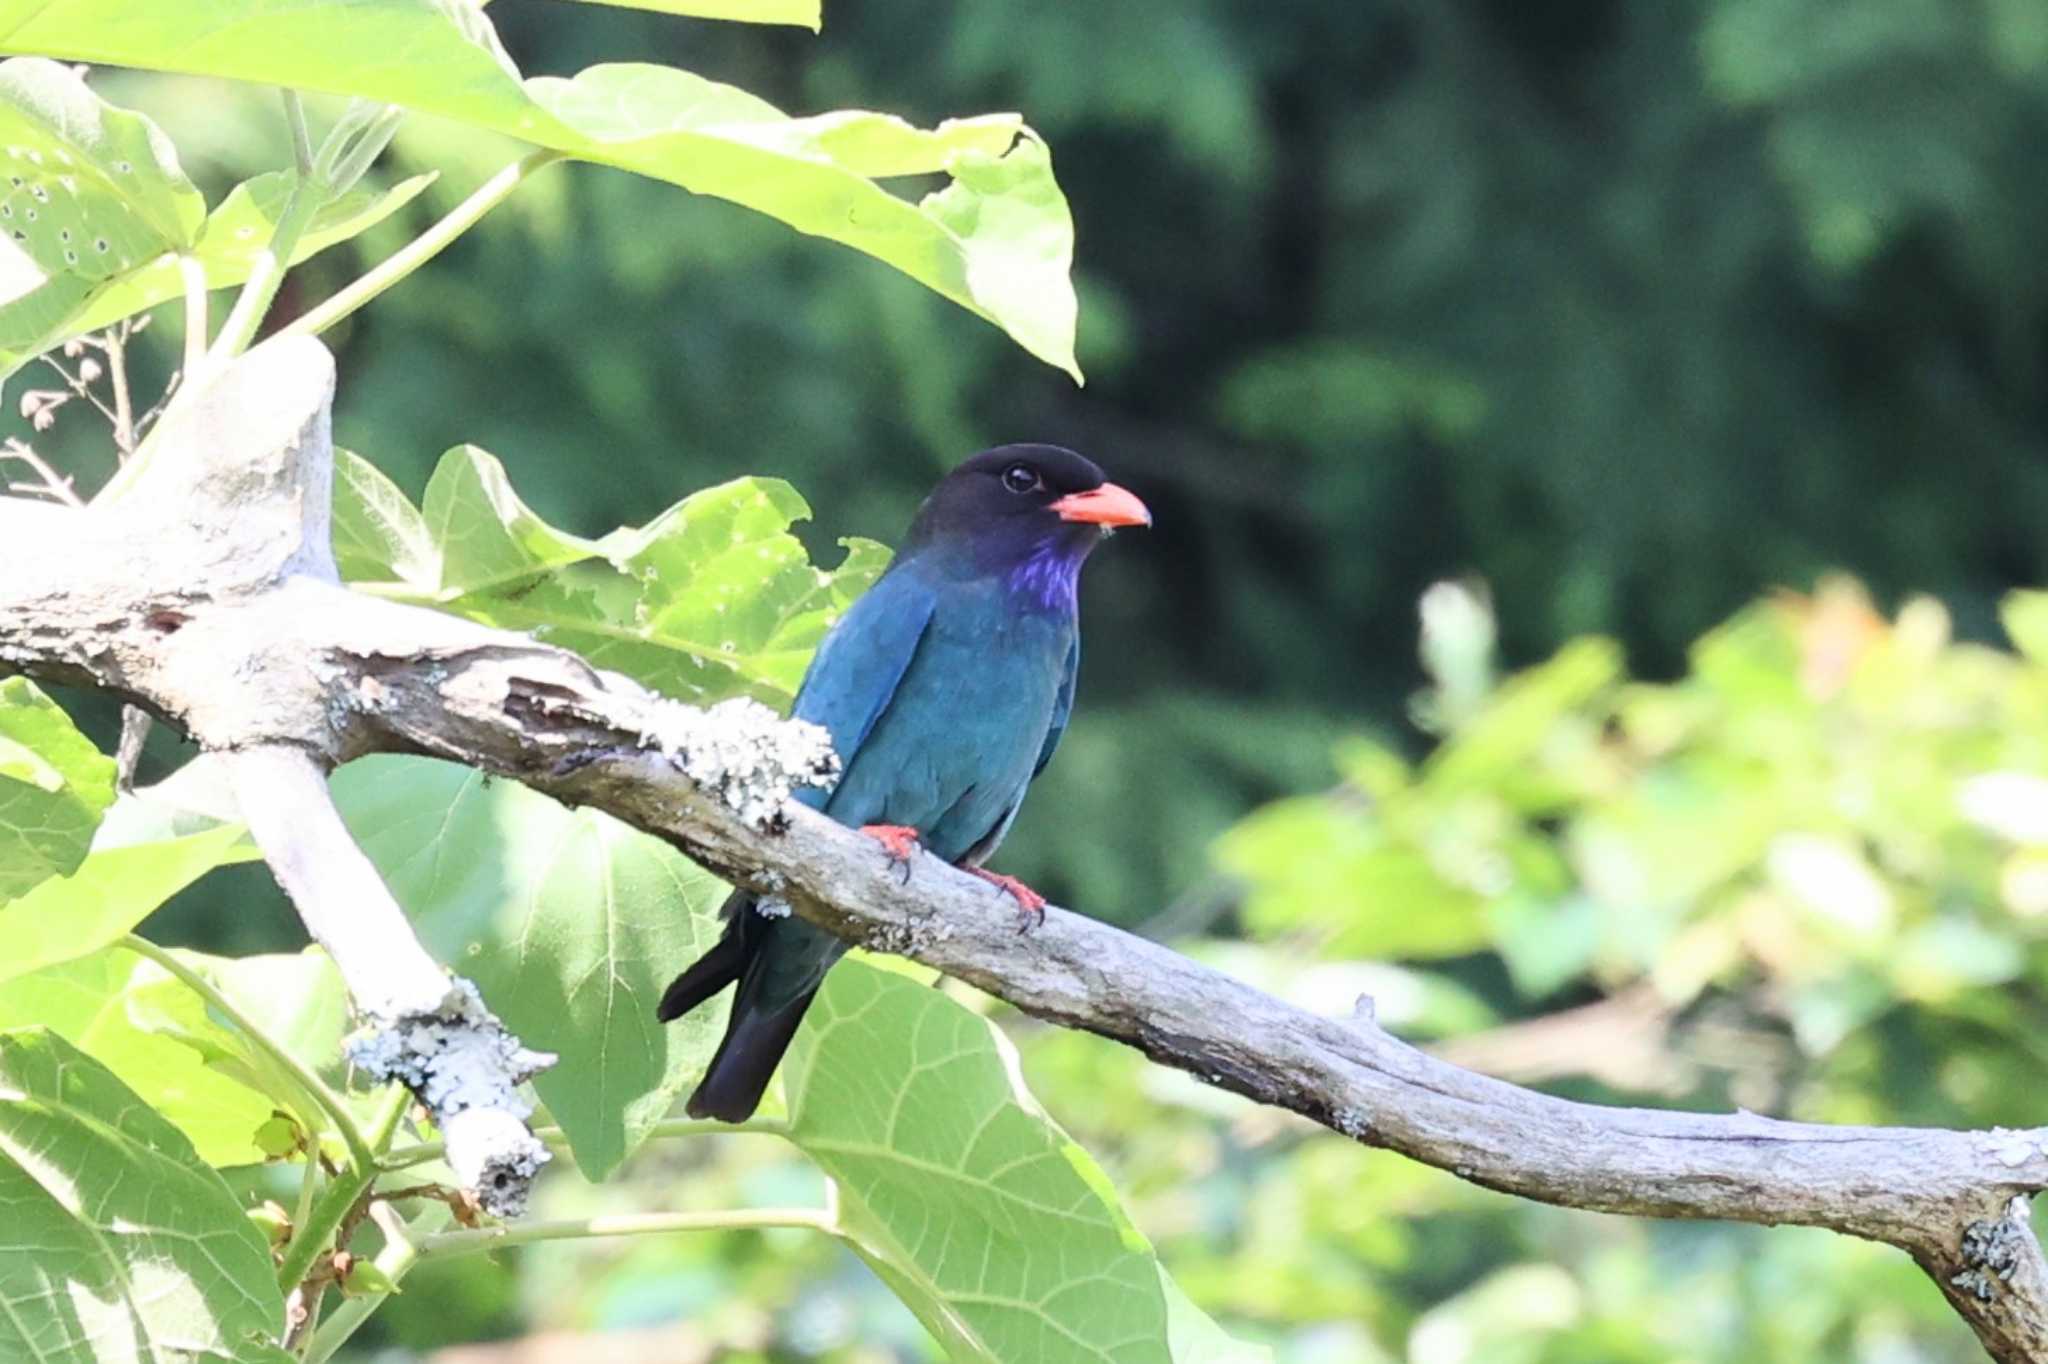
(1003, 498)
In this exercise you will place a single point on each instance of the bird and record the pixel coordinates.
(945, 689)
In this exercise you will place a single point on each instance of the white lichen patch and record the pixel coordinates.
(744, 754)
(466, 1068)
(2011, 1148)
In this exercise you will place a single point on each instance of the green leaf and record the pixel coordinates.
(139, 1250)
(569, 922)
(2025, 617)
(487, 537)
(1511, 727)
(1195, 1339)
(998, 240)
(92, 191)
(139, 860)
(1322, 864)
(713, 598)
(379, 536)
(234, 235)
(114, 1006)
(54, 786)
(802, 13)
(1000, 1233)
(296, 1000)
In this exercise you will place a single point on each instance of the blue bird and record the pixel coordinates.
(945, 689)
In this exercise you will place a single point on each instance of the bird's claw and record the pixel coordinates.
(899, 841)
(1030, 904)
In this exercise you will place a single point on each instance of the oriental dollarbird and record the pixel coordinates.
(945, 689)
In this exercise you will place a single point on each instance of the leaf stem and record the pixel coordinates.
(266, 272)
(302, 137)
(401, 1251)
(311, 1239)
(193, 272)
(115, 348)
(470, 1241)
(360, 1153)
(424, 247)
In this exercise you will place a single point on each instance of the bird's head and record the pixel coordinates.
(1023, 504)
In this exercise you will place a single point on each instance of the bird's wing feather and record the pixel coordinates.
(1062, 707)
(855, 672)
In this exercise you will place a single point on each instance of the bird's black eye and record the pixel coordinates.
(1021, 478)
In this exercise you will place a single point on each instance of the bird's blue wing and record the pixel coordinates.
(1062, 707)
(859, 664)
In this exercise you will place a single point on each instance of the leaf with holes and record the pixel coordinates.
(568, 921)
(1001, 1234)
(141, 1252)
(234, 234)
(713, 598)
(54, 786)
(998, 240)
(90, 191)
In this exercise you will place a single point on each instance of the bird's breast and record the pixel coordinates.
(954, 750)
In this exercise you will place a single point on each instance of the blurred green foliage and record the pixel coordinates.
(1633, 312)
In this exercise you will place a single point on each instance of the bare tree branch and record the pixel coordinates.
(243, 659)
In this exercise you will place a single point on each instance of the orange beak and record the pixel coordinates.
(1107, 505)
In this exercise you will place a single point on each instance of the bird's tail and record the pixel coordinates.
(760, 1027)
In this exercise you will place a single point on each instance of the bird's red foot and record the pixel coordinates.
(900, 841)
(1030, 903)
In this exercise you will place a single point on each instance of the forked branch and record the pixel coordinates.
(246, 641)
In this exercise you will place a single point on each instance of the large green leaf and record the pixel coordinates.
(127, 1013)
(54, 786)
(998, 240)
(92, 191)
(120, 1243)
(570, 923)
(713, 598)
(379, 536)
(802, 13)
(142, 856)
(1000, 1233)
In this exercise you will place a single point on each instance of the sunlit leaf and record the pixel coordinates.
(229, 242)
(379, 536)
(120, 1009)
(998, 240)
(92, 191)
(54, 786)
(999, 1232)
(713, 598)
(140, 1251)
(802, 13)
(117, 886)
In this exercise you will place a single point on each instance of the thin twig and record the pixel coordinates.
(51, 484)
(193, 272)
(115, 346)
(81, 388)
